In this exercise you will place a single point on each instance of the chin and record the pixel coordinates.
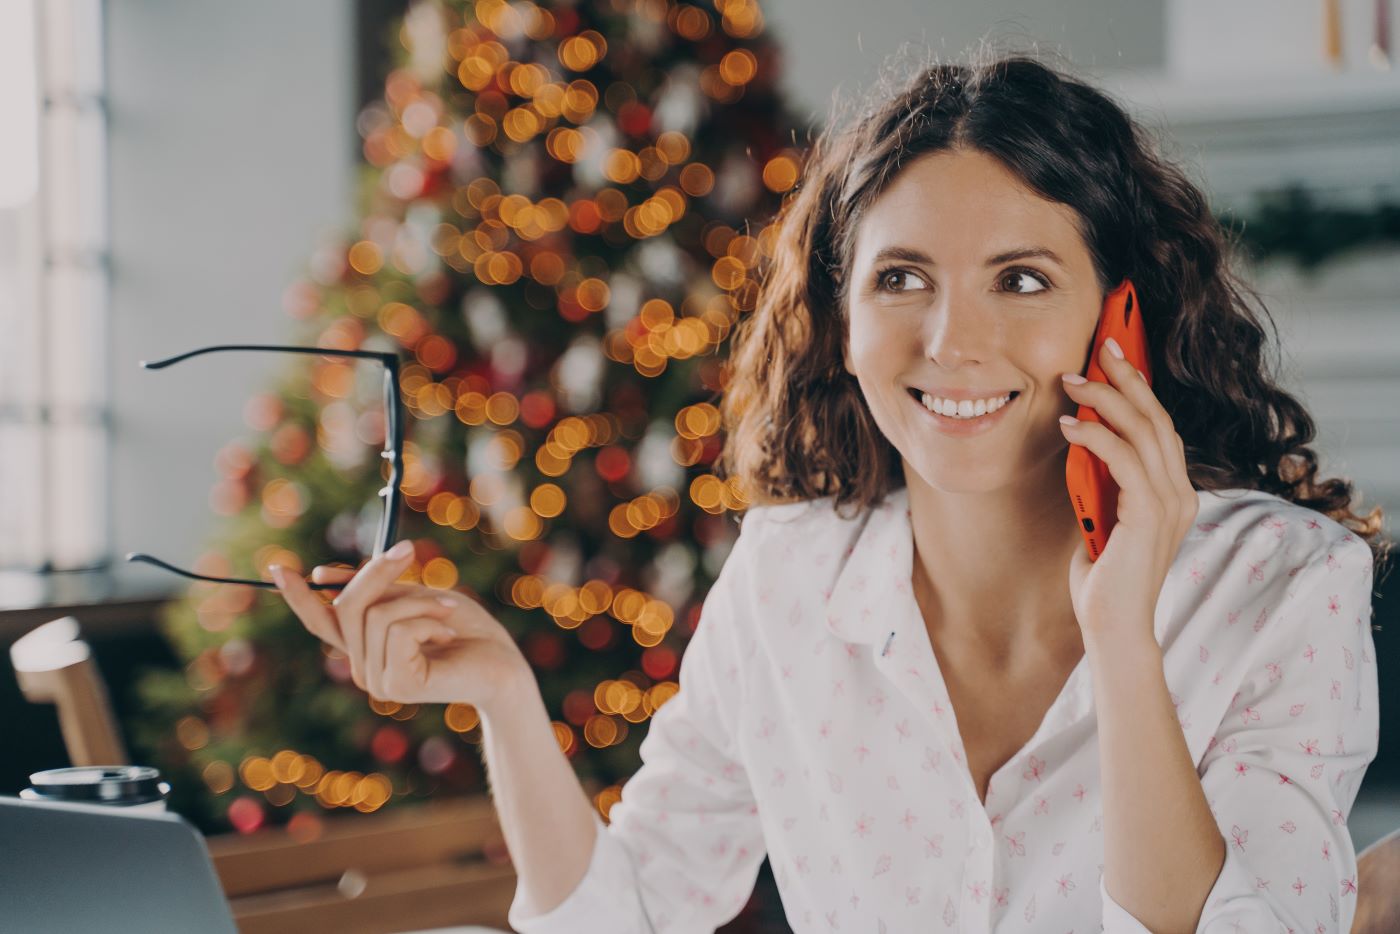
(955, 477)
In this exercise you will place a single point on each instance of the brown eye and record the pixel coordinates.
(1026, 274)
(889, 275)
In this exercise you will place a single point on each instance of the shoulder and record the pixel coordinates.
(1268, 534)
(799, 529)
(786, 554)
(1254, 562)
(1262, 588)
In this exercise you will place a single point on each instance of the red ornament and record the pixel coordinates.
(634, 119)
(533, 556)
(246, 814)
(537, 409)
(710, 448)
(544, 650)
(570, 310)
(597, 633)
(666, 529)
(659, 662)
(566, 22)
(612, 463)
(579, 706)
(389, 744)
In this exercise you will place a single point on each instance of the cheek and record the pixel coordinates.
(876, 347)
(1048, 355)
(858, 339)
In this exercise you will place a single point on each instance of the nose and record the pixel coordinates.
(957, 332)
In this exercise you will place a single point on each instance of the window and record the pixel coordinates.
(53, 292)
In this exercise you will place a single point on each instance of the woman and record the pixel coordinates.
(910, 687)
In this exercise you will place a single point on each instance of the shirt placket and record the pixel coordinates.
(979, 876)
(908, 663)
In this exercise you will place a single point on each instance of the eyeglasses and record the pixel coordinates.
(393, 453)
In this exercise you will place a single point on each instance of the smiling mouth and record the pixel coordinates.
(918, 396)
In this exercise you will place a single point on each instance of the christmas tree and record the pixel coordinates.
(562, 214)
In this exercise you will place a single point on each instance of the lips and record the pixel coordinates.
(964, 427)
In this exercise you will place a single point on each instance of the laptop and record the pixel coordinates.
(70, 868)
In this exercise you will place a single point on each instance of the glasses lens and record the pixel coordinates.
(305, 491)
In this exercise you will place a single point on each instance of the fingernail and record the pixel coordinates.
(277, 577)
(446, 601)
(1113, 348)
(402, 550)
(1068, 420)
(1073, 378)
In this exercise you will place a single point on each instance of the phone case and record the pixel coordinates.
(1092, 489)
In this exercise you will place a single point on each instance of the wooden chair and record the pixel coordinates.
(54, 666)
(400, 870)
(1378, 887)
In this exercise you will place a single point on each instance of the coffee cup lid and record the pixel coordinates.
(101, 783)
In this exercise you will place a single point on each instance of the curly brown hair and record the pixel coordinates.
(797, 425)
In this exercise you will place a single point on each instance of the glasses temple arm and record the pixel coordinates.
(267, 585)
(384, 358)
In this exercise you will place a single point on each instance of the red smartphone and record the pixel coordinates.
(1092, 490)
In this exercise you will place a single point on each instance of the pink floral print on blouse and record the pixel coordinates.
(812, 724)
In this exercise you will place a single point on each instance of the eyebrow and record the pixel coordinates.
(911, 255)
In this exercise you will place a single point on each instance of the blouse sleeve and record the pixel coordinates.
(684, 844)
(1284, 768)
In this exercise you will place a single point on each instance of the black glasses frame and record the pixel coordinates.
(391, 493)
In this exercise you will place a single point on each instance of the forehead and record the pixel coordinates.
(964, 204)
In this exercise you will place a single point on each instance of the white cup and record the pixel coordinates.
(136, 788)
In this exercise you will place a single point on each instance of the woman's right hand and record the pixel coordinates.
(406, 642)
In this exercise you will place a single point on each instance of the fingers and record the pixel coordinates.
(340, 574)
(370, 582)
(1151, 429)
(371, 608)
(367, 586)
(331, 574)
(1133, 412)
(380, 618)
(318, 618)
(404, 677)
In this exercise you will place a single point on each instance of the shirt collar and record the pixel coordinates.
(873, 598)
(873, 590)
(870, 595)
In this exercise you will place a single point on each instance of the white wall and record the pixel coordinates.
(832, 44)
(232, 147)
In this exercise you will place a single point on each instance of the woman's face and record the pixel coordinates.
(950, 312)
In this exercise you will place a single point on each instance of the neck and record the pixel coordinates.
(991, 569)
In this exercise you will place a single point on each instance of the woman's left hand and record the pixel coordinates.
(1156, 502)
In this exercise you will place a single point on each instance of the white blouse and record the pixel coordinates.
(813, 724)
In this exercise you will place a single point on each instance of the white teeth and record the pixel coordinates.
(965, 408)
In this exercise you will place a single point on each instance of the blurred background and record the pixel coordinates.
(554, 213)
